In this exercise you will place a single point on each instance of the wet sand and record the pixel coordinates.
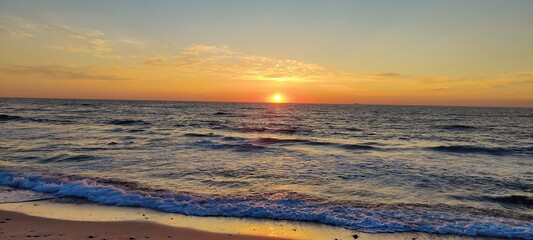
(16, 226)
(29, 215)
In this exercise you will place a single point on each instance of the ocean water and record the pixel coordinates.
(449, 170)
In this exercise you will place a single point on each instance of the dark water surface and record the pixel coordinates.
(458, 170)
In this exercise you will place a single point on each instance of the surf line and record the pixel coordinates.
(30, 200)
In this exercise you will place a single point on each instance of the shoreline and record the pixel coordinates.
(17, 225)
(48, 218)
(82, 212)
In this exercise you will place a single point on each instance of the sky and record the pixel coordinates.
(415, 52)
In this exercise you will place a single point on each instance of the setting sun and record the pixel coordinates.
(277, 98)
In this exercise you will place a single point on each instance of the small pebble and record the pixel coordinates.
(132, 238)
(355, 236)
(91, 236)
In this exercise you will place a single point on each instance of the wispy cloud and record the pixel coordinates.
(221, 60)
(156, 61)
(226, 63)
(13, 33)
(130, 41)
(199, 49)
(86, 41)
(67, 38)
(16, 27)
(72, 48)
(59, 72)
(75, 33)
(516, 78)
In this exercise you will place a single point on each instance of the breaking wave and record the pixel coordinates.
(285, 206)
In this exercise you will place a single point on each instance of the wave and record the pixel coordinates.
(229, 138)
(269, 140)
(69, 158)
(262, 143)
(268, 130)
(200, 135)
(224, 114)
(512, 199)
(458, 127)
(354, 129)
(357, 147)
(283, 206)
(127, 122)
(238, 147)
(135, 130)
(5, 118)
(498, 151)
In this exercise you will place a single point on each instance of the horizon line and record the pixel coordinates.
(283, 103)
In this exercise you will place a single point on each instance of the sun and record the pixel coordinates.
(277, 98)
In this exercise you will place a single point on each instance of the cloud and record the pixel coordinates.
(16, 34)
(517, 78)
(76, 33)
(156, 61)
(17, 21)
(223, 61)
(100, 46)
(85, 39)
(16, 27)
(68, 38)
(198, 49)
(72, 48)
(391, 75)
(59, 72)
(130, 41)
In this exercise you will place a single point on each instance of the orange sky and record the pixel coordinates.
(429, 57)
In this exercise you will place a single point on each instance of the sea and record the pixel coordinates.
(445, 170)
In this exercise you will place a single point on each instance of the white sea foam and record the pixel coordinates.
(363, 219)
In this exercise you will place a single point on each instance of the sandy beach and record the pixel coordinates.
(16, 225)
(21, 226)
(67, 218)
